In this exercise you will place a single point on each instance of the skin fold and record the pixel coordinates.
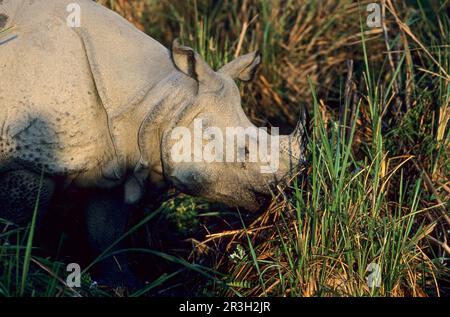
(95, 107)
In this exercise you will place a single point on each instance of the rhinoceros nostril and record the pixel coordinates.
(3, 20)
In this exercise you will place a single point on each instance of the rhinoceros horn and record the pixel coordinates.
(294, 144)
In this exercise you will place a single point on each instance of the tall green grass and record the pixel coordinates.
(338, 223)
(375, 191)
(364, 204)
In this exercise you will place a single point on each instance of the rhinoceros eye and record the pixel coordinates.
(210, 133)
(246, 152)
(243, 153)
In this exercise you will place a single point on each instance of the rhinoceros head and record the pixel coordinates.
(213, 150)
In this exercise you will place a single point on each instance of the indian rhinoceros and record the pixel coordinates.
(95, 105)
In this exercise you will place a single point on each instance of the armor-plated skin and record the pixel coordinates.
(95, 106)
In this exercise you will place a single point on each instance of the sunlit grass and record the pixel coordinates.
(375, 192)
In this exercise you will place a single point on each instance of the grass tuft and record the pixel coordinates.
(367, 217)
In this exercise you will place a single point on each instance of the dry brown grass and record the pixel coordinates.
(305, 41)
(299, 40)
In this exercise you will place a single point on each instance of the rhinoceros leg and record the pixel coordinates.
(107, 218)
(19, 191)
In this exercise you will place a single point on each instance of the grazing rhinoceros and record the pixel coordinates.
(95, 105)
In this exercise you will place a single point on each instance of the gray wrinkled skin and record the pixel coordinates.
(96, 104)
(94, 107)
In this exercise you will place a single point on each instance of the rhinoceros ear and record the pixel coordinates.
(191, 64)
(243, 67)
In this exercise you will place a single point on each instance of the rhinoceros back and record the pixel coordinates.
(60, 86)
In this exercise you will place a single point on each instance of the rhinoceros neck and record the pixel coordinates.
(138, 132)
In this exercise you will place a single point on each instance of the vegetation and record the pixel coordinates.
(372, 202)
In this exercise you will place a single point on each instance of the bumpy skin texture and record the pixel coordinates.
(95, 106)
(59, 104)
(19, 190)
